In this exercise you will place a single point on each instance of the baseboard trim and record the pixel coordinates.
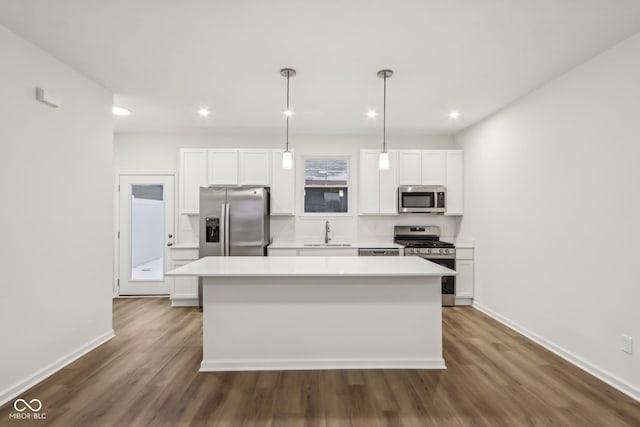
(184, 301)
(603, 375)
(30, 381)
(464, 300)
(317, 364)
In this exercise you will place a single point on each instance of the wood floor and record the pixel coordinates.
(148, 376)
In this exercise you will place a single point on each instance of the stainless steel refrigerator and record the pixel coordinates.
(234, 221)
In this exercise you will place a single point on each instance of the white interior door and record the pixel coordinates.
(146, 233)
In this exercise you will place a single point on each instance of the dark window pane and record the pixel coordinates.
(149, 192)
(326, 199)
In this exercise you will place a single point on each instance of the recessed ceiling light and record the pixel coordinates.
(372, 114)
(119, 111)
(204, 112)
(454, 114)
(288, 113)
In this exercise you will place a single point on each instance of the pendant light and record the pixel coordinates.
(287, 155)
(383, 162)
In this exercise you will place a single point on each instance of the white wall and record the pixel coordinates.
(148, 153)
(551, 199)
(56, 187)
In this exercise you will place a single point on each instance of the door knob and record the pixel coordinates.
(169, 244)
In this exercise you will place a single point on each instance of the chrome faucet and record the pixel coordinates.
(327, 229)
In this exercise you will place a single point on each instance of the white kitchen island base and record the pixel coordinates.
(271, 323)
(290, 313)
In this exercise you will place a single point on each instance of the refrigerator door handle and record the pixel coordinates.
(227, 237)
(223, 229)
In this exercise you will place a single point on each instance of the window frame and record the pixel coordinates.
(349, 186)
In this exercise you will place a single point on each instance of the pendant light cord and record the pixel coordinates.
(287, 140)
(384, 116)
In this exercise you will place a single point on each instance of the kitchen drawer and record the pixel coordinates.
(186, 254)
(328, 252)
(464, 253)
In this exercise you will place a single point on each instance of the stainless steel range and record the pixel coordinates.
(424, 241)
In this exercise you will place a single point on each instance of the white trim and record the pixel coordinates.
(40, 375)
(316, 364)
(603, 375)
(187, 300)
(464, 300)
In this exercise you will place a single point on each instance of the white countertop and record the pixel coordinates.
(352, 245)
(311, 266)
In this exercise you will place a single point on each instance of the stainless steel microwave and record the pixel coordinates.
(421, 198)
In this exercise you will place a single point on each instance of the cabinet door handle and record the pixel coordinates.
(169, 244)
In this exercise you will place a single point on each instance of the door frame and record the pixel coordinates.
(116, 223)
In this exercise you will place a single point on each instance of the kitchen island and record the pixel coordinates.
(266, 313)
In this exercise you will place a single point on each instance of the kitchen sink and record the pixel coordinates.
(328, 244)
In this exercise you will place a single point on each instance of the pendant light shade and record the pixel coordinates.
(383, 163)
(287, 160)
(287, 155)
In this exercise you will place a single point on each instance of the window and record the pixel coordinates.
(326, 186)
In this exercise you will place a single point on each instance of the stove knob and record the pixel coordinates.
(429, 251)
(446, 251)
(440, 250)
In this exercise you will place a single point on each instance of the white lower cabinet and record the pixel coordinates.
(465, 277)
(282, 252)
(351, 251)
(184, 292)
(328, 252)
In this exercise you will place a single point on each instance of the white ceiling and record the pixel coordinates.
(165, 58)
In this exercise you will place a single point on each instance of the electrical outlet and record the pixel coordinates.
(627, 344)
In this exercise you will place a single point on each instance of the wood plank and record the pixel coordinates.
(148, 375)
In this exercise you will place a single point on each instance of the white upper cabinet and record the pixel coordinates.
(410, 167)
(193, 175)
(369, 184)
(239, 167)
(378, 189)
(433, 167)
(282, 186)
(255, 167)
(454, 182)
(421, 167)
(389, 186)
(223, 167)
